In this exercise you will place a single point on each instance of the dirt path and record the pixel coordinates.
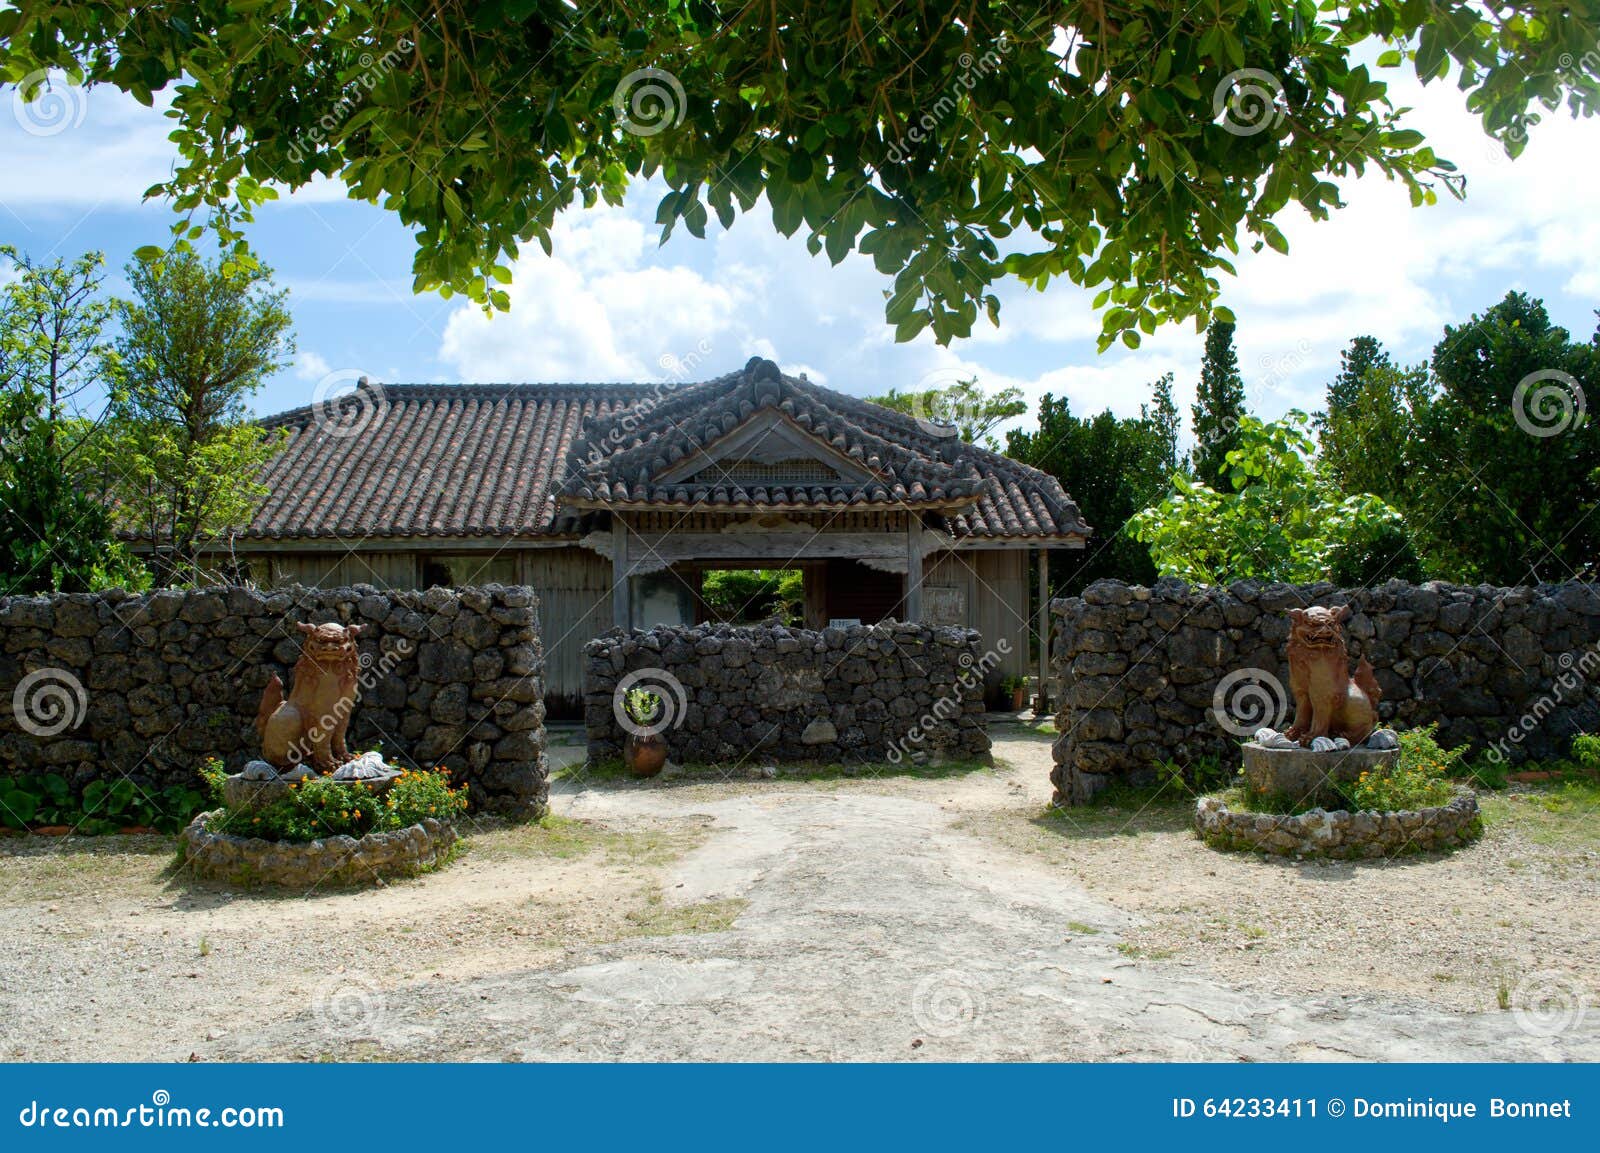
(859, 919)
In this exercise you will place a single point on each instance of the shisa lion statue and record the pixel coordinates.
(1330, 704)
(309, 725)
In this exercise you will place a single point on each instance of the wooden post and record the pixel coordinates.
(621, 602)
(1041, 703)
(913, 567)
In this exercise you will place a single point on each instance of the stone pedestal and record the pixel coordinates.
(1304, 778)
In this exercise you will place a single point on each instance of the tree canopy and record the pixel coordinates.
(182, 454)
(962, 409)
(1113, 467)
(1126, 145)
(1283, 520)
(1219, 406)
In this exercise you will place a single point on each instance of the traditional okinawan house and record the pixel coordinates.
(613, 500)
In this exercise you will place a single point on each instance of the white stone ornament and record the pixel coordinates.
(1383, 739)
(367, 767)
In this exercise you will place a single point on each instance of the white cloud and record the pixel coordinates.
(311, 366)
(600, 309)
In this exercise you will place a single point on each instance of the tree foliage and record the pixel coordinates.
(1218, 407)
(1503, 464)
(1284, 519)
(55, 536)
(54, 533)
(1364, 355)
(1125, 145)
(183, 455)
(964, 408)
(1113, 467)
(1369, 441)
(747, 596)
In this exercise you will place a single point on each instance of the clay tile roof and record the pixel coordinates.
(508, 460)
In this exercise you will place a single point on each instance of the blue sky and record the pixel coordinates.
(612, 305)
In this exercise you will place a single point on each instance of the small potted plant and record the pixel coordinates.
(644, 750)
(1016, 688)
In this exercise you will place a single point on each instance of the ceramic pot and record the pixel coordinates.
(644, 756)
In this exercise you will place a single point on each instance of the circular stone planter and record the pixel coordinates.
(1304, 777)
(1342, 834)
(340, 860)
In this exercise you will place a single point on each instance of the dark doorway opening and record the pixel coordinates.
(852, 591)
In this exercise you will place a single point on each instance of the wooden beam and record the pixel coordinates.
(1041, 703)
(621, 577)
(657, 550)
(913, 604)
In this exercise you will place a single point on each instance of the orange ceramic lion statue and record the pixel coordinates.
(310, 724)
(1328, 701)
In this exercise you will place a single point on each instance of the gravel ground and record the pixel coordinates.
(869, 918)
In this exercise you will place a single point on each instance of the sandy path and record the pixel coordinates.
(868, 921)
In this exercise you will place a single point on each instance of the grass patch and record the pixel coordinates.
(48, 868)
(567, 838)
(1141, 953)
(1122, 809)
(659, 919)
(1082, 930)
(1563, 814)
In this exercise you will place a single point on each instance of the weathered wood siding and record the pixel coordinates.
(993, 585)
(386, 570)
(574, 587)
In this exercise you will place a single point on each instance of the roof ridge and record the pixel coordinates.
(433, 458)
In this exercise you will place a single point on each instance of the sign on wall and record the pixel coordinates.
(944, 606)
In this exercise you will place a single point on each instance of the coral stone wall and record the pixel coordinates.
(149, 687)
(1512, 671)
(769, 693)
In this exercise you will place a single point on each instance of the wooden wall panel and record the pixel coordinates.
(574, 587)
(390, 570)
(994, 586)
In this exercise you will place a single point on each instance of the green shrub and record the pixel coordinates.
(1586, 752)
(1420, 779)
(37, 802)
(324, 807)
(1203, 775)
